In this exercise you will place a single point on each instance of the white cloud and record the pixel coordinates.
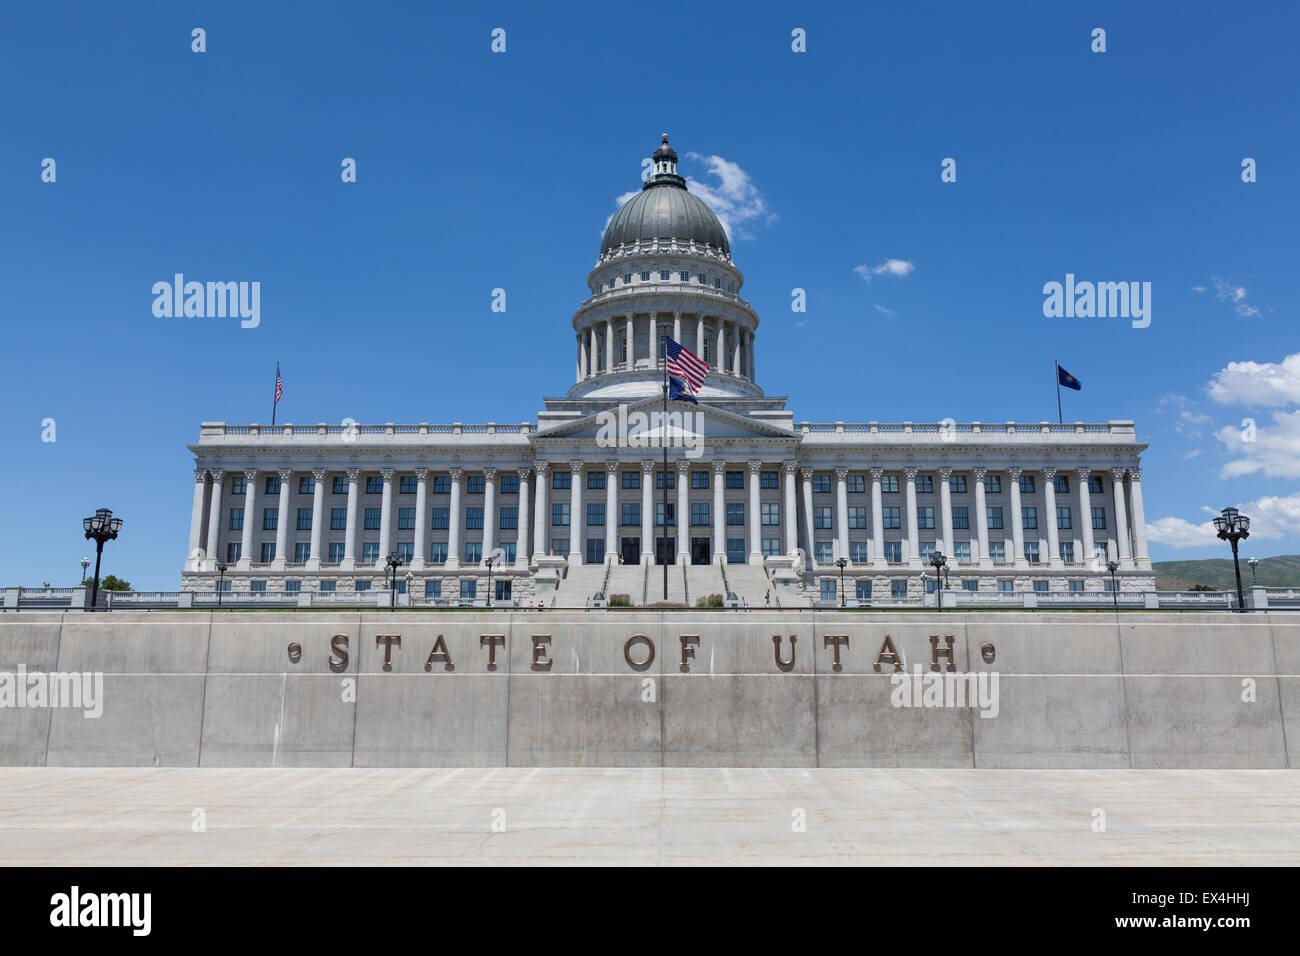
(882, 310)
(1271, 516)
(890, 267)
(1170, 399)
(1180, 533)
(734, 197)
(1194, 453)
(1275, 450)
(1234, 294)
(1258, 383)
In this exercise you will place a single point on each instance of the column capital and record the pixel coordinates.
(945, 473)
(250, 474)
(1014, 473)
(979, 473)
(877, 474)
(754, 468)
(652, 315)
(1084, 474)
(353, 473)
(790, 468)
(1049, 473)
(200, 475)
(541, 467)
(1135, 474)
(286, 474)
(490, 473)
(386, 474)
(318, 474)
(217, 474)
(575, 467)
(1118, 475)
(841, 473)
(683, 467)
(611, 468)
(806, 473)
(525, 473)
(911, 473)
(421, 473)
(456, 474)
(719, 468)
(677, 315)
(647, 467)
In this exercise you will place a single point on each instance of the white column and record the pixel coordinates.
(454, 521)
(631, 343)
(194, 559)
(582, 357)
(609, 344)
(677, 327)
(807, 474)
(317, 517)
(1085, 519)
(740, 351)
(282, 520)
(877, 520)
(982, 518)
(683, 513)
(699, 337)
(652, 339)
(721, 363)
(1053, 539)
(541, 513)
(1121, 520)
(841, 513)
(913, 555)
(521, 537)
(755, 525)
(789, 512)
(385, 517)
(250, 507)
(213, 554)
(1141, 558)
(1017, 520)
(489, 511)
(648, 512)
(350, 532)
(422, 519)
(611, 506)
(593, 360)
(719, 511)
(576, 524)
(945, 508)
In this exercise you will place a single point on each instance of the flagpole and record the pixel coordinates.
(663, 437)
(275, 401)
(1059, 419)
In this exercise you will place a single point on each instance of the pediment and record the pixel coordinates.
(644, 420)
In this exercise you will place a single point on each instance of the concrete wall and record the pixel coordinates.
(1074, 690)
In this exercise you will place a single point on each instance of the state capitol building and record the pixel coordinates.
(763, 505)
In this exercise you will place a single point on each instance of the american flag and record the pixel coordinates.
(279, 384)
(685, 364)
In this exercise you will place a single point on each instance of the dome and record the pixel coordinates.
(665, 209)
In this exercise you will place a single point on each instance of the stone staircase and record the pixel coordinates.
(579, 584)
(750, 583)
(627, 579)
(703, 580)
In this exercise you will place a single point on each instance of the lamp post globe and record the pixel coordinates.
(221, 582)
(100, 527)
(85, 563)
(940, 563)
(489, 561)
(1254, 563)
(840, 563)
(393, 562)
(1112, 567)
(1233, 526)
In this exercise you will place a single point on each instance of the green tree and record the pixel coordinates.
(114, 583)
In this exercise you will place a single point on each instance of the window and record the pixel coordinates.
(442, 484)
(1026, 484)
(1031, 552)
(684, 276)
(1063, 517)
(627, 278)
(373, 518)
(301, 552)
(304, 519)
(338, 519)
(821, 484)
(993, 484)
(510, 484)
(856, 484)
(1067, 552)
(438, 552)
(441, 519)
(735, 550)
(925, 517)
(769, 479)
(630, 515)
(1108, 586)
(995, 517)
(925, 549)
(473, 552)
(475, 485)
(561, 480)
(824, 551)
(292, 587)
(336, 552)
(828, 589)
(704, 280)
(961, 518)
(925, 484)
(969, 585)
(1040, 587)
(374, 485)
(468, 589)
(328, 586)
(405, 519)
(898, 590)
(998, 552)
(957, 484)
(270, 519)
(863, 590)
(236, 519)
(1074, 586)
(340, 485)
(1094, 484)
(508, 552)
(1062, 484)
(961, 551)
(400, 586)
(890, 518)
(631, 480)
(268, 552)
(858, 552)
(239, 486)
(257, 587)
(699, 513)
(664, 275)
(474, 519)
(1029, 518)
(735, 479)
(560, 545)
(931, 585)
(559, 514)
(273, 484)
(1098, 519)
(822, 518)
(233, 551)
(369, 552)
(595, 550)
(503, 589)
(665, 477)
(1006, 587)
(858, 518)
(659, 513)
(736, 515)
(596, 480)
(307, 485)
(894, 552)
(771, 547)
(717, 283)
(406, 551)
(432, 590)
(406, 485)
(889, 484)
(645, 276)
(770, 514)
(699, 479)
(508, 519)
(595, 514)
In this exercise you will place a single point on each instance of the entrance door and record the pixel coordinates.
(700, 550)
(631, 550)
(662, 545)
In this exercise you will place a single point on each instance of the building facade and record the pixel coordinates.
(573, 503)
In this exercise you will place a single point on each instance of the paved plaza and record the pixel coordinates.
(123, 817)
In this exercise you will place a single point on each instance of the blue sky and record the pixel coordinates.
(479, 170)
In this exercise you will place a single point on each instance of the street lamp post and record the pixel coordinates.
(1254, 563)
(1112, 567)
(489, 561)
(100, 527)
(1233, 526)
(221, 582)
(393, 562)
(85, 563)
(410, 579)
(841, 562)
(940, 563)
